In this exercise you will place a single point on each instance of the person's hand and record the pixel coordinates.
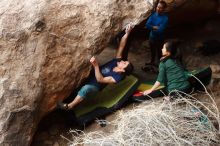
(146, 92)
(93, 61)
(129, 27)
(155, 27)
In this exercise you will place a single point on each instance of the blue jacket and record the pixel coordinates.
(159, 20)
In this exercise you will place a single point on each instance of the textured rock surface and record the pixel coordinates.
(44, 50)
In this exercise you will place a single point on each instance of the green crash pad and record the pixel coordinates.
(139, 97)
(147, 85)
(108, 100)
(203, 74)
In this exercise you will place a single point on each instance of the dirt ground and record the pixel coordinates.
(54, 127)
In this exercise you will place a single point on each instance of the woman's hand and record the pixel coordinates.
(155, 86)
(146, 92)
(128, 28)
(155, 27)
(93, 61)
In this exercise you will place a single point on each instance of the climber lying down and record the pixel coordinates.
(112, 72)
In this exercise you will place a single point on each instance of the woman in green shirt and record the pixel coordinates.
(171, 72)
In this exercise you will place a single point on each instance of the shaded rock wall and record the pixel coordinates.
(193, 11)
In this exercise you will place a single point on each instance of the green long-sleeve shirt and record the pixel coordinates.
(172, 75)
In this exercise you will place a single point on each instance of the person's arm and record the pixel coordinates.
(160, 79)
(162, 26)
(98, 75)
(148, 24)
(123, 41)
(155, 86)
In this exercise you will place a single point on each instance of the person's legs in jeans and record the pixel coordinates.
(182, 93)
(83, 93)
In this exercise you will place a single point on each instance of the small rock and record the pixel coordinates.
(215, 68)
(56, 144)
(48, 142)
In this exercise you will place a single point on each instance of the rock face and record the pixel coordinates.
(45, 46)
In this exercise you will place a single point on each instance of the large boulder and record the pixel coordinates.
(45, 47)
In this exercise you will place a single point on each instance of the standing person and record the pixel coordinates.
(156, 23)
(171, 72)
(112, 72)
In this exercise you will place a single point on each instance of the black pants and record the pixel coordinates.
(176, 94)
(156, 51)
